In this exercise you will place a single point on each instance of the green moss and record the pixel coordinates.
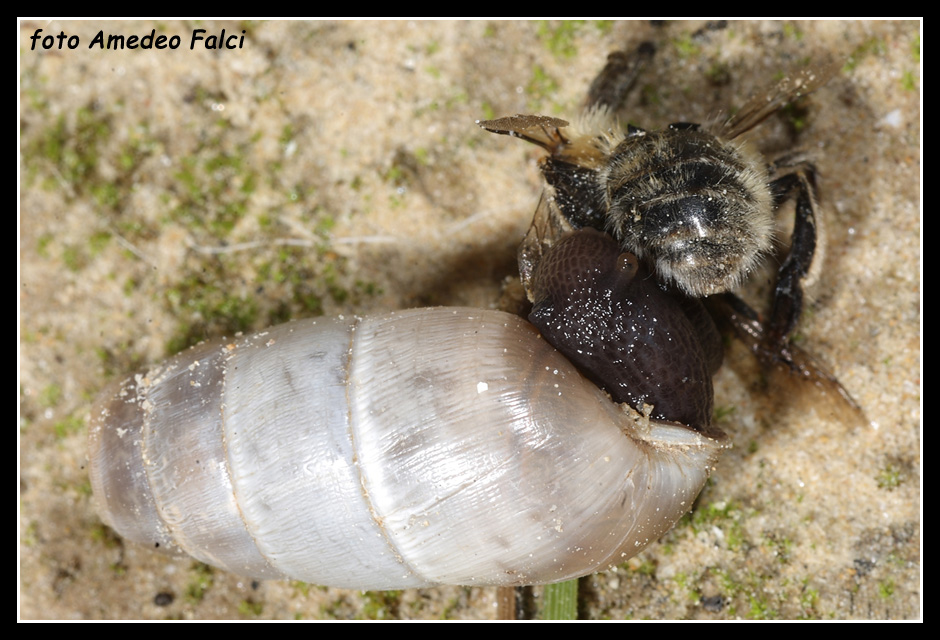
(780, 546)
(250, 608)
(886, 588)
(560, 38)
(106, 194)
(727, 583)
(380, 605)
(84, 488)
(447, 611)
(208, 199)
(725, 515)
(73, 258)
(909, 81)
(791, 31)
(718, 73)
(540, 87)
(208, 309)
(131, 230)
(43, 243)
(873, 47)
(70, 152)
(129, 287)
(30, 535)
(760, 609)
(687, 584)
(217, 185)
(296, 193)
(69, 425)
(889, 477)
(287, 134)
(324, 225)
(808, 600)
(98, 241)
(395, 175)
(200, 582)
(645, 568)
(78, 156)
(797, 118)
(368, 289)
(421, 154)
(104, 536)
(686, 47)
(50, 396)
(249, 183)
(722, 413)
(714, 512)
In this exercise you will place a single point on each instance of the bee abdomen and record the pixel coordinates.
(700, 205)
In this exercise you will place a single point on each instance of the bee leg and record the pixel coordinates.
(615, 80)
(731, 313)
(793, 272)
(769, 339)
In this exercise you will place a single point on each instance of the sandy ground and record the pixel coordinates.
(324, 168)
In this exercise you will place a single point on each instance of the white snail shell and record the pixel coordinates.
(433, 446)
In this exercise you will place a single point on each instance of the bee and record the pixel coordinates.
(694, 202)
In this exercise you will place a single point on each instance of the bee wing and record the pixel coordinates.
(563, 170)
(793, 366)
(761, 106)
(548, 226)
(544, 131)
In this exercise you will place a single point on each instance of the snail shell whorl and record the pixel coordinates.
(433, 446)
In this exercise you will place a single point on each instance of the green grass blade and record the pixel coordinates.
(560, 601)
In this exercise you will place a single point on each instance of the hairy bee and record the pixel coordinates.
(693, 202)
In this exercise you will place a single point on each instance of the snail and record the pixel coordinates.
(424, 447)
